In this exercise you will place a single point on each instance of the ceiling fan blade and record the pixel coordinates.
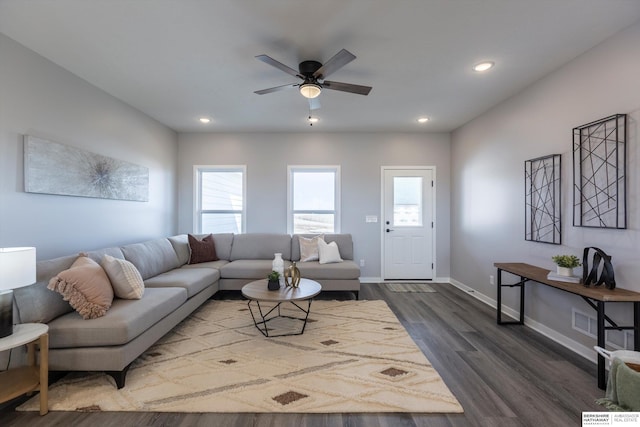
(279, 65)
(314, 103)
(276, 89)
(336, 62)
(347, 87)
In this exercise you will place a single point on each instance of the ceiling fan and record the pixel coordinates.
(313, 74)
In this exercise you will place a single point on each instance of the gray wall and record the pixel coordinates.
(360, 156)
(39, 98)
(488, 157)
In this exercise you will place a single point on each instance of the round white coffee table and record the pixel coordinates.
(257, 292)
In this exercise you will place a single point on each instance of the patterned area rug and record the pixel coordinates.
(409, 287)
(354, 356)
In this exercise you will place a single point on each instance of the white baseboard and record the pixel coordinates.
(584, 351)
(381, 280)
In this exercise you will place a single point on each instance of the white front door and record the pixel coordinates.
(408, 217)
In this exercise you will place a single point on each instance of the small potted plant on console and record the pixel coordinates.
(274, 281)
(566, 264)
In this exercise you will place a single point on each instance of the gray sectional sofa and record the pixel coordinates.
(173, 289)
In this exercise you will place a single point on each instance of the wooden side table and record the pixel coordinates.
(26, 379)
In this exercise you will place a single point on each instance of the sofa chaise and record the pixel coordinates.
(173, 289)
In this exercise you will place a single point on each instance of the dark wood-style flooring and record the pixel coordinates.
(502, 375)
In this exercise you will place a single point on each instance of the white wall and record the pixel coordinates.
(488, 157)
(39, 98)
(360, 156)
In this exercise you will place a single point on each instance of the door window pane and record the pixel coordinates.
(407, 201)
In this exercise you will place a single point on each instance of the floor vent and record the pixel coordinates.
(588, 325)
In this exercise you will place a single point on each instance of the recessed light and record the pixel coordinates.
(423, 119)
(483, 66)
(205, 120)
(313, 119)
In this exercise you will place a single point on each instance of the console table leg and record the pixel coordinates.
(499, 296)
(636, 326)
(522, 281)
(602, 379)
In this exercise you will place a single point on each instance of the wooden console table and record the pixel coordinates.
(596, 297)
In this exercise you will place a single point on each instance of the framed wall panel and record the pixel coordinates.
(542, 199)
(599, 173)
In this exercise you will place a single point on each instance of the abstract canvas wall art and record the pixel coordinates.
(54, 168)
(542, 199)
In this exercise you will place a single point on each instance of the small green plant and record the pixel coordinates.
(274, 275)
(566, 261)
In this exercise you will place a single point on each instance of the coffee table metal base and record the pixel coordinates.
(261, 325)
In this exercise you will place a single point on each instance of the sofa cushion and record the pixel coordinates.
(343, 270)
(343, 240)
(99, 254)
(202, 250)
(309, 247)
(36, 303)
(222, 241)
(260, 246)
(86, 286)
(152, 257)
(328, 252)
(124, 276)
(248, 269)
(123, 322)
(193, 280)
(211, 264)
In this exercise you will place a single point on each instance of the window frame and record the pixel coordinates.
(335, 169)
(198, 170)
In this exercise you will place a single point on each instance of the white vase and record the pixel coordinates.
(278, 265)
(564, 271)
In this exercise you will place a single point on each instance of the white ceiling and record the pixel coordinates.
(178, 60)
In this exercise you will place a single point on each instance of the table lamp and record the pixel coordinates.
(17, 269)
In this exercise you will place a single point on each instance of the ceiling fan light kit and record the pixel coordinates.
(310, 90)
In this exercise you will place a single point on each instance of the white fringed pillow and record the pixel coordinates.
(125, 278)
(309, 248)
(328, 252)
(86, 286)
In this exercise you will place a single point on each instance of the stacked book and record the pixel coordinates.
(560, 278)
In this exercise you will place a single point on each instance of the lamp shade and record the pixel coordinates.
(17, 267)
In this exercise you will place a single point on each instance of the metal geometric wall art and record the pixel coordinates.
(599, 173)
(53, 168)
(542, 199)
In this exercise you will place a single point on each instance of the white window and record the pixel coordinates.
(220, 199)
(314, 199)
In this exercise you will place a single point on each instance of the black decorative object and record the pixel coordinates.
(273, 285)
(606, 272)
(542, 199)
(599, 173)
